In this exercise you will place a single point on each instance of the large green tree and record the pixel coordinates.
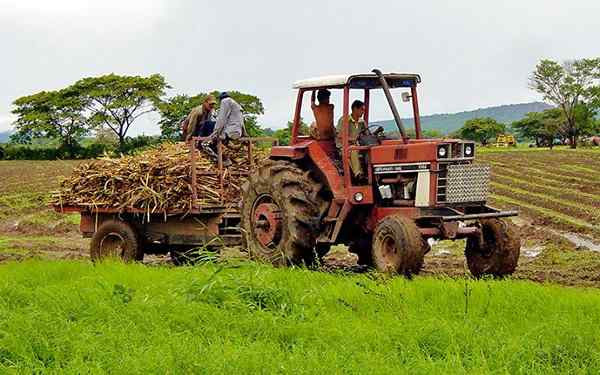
(173, 111)
(542, 127)
(117, 101)
(481, 129)
(51, 114)
(570, 86)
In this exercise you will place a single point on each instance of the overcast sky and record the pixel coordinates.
(470, 53)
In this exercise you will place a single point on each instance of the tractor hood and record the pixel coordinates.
(422, 150)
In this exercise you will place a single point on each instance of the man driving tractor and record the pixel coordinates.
(356, 128)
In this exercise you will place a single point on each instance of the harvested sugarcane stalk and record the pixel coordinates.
(158, 180)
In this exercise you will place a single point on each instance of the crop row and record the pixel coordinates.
(563, 194)
(585, 213)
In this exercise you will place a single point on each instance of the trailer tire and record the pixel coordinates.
(496, 251)
(398, 246)
(282, 210)
(116, 239)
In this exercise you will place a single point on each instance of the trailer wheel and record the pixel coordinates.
(116, 239)
(398, 246)
(496, 251)
(281, 214)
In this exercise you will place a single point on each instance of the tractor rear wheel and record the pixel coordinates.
(116, 239)
(281, 214)
(398, 246)
(496, 251)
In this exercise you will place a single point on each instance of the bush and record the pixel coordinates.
(28, 152)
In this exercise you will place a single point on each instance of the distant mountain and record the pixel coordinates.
(5, 135)
(449, 122)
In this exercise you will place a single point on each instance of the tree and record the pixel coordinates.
(568, 85)
(481, 129)
(173, 110)
(284, 135)
(117, 101)
(51, 114)
(543, 127)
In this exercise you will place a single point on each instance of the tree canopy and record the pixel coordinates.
(573, 87)
(481, 129)
(542, 127)
(117, 101)
(51, 114)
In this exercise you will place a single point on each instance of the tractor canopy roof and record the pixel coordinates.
(358, 81)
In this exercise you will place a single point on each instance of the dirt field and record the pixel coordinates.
(557, 192)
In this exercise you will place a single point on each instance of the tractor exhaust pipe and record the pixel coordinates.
(388, 95)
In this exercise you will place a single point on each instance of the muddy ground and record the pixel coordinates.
(545, 255)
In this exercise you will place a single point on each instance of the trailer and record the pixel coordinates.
(130, 233)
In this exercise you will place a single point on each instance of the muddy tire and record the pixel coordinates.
(496, 251)
(398, 246)
(116, 239)
(281, 214)
(362, 248)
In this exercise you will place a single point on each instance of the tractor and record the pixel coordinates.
(304, 199)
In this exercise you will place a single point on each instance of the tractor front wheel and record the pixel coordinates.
(116, 239)
(495, 251)
(398, 246)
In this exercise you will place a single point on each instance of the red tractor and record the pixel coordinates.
(304, 199)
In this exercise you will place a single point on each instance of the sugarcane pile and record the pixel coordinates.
(158, 180)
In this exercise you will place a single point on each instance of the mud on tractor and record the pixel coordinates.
(304, 199)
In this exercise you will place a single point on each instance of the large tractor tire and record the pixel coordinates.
(496, 251)
(398, 246)
(282, 211)
(116, 239)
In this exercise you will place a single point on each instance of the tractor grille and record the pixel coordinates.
(463, 183)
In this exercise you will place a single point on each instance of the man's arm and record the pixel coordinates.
(224, 112)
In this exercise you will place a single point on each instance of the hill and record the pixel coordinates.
(448, 122)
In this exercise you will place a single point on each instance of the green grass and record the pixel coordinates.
(74, 317)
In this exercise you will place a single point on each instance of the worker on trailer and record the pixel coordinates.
(322, 128)
(356, 128)
(229, 126)
(200, 121)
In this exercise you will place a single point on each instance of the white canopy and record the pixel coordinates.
(342, 79)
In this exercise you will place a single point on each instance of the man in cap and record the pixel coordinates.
(200, 120)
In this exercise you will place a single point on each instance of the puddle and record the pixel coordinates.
(578, 240)
(532, 252)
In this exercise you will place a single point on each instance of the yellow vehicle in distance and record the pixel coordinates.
(505, 140)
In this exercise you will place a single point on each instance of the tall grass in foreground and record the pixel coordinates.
(76, 317)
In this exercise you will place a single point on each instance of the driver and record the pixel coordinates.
(356, 127)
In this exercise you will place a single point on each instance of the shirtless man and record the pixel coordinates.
(322, 128)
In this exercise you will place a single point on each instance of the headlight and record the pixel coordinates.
(358, 197)
(469, 148)
(443, 151)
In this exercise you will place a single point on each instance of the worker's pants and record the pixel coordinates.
(355, 165)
